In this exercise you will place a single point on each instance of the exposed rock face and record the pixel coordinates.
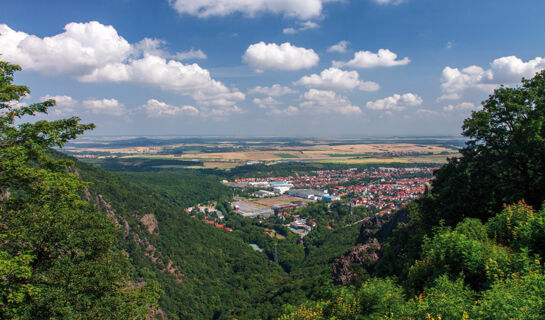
(381, 227)
(157, 314)
(364, 255)
(4, 194)
(110, 212)
(149, 221)
(151, 225)
(157, 258)
(368, 249)
(173, 270)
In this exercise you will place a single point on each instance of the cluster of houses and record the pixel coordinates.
(382, 189)
(385, 194)
(322, 178)
(209, 212)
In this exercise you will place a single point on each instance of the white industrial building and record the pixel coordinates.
(308, 193)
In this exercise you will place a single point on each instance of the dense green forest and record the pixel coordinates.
(203, 270)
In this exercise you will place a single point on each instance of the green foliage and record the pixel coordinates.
(504, 159)
(454, 252)
(445, 300)
(380, 298)
(182, 188)
(376, 299)
(519, 297)
(519, 226)
(58, 256)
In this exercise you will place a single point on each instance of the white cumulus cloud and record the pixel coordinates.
(464, 106)
(505, 70)
(222, 98)
(261, 56)
(396, 102)
(154, 108)
(302, 9)
(190, 54)
(266, 103)
(65, 105)
(341, 47)
(81, 48)
(105, 106)
(92, 52)
(157, 109)
(334, 78)
(274, 90)
(221, 113)
(303, 26)
(455, 81)
(286, 112)
(325, 101)
(61, 101)
(368, 59)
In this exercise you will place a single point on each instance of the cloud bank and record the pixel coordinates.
(505, 70)
(93, 52)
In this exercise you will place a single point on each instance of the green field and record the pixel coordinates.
(286, 155)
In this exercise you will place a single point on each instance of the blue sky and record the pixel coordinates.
(271, 67)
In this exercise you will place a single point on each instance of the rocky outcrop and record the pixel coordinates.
(157, 313)
(173, 270)
(365, 255)
(381, 227)
(149, 222)
(368, 249)
(157, 258)
(119, 221)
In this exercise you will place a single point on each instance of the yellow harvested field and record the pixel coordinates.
(408, 159)
(390, 147)
(316, 152)
(244, 155)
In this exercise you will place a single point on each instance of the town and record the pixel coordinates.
(380, 190)
(375, 188)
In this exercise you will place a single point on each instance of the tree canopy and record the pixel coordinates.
(58, 255)
(504, 158)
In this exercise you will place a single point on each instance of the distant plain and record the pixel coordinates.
(226, 153)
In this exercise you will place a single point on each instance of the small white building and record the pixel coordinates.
(258, 184)
(264, 194)
(281, 190)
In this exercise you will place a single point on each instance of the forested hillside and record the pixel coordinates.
(204, 271)
(221, 277)
(59, 257)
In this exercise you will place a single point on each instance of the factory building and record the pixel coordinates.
(310, 194)
(248, 210)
